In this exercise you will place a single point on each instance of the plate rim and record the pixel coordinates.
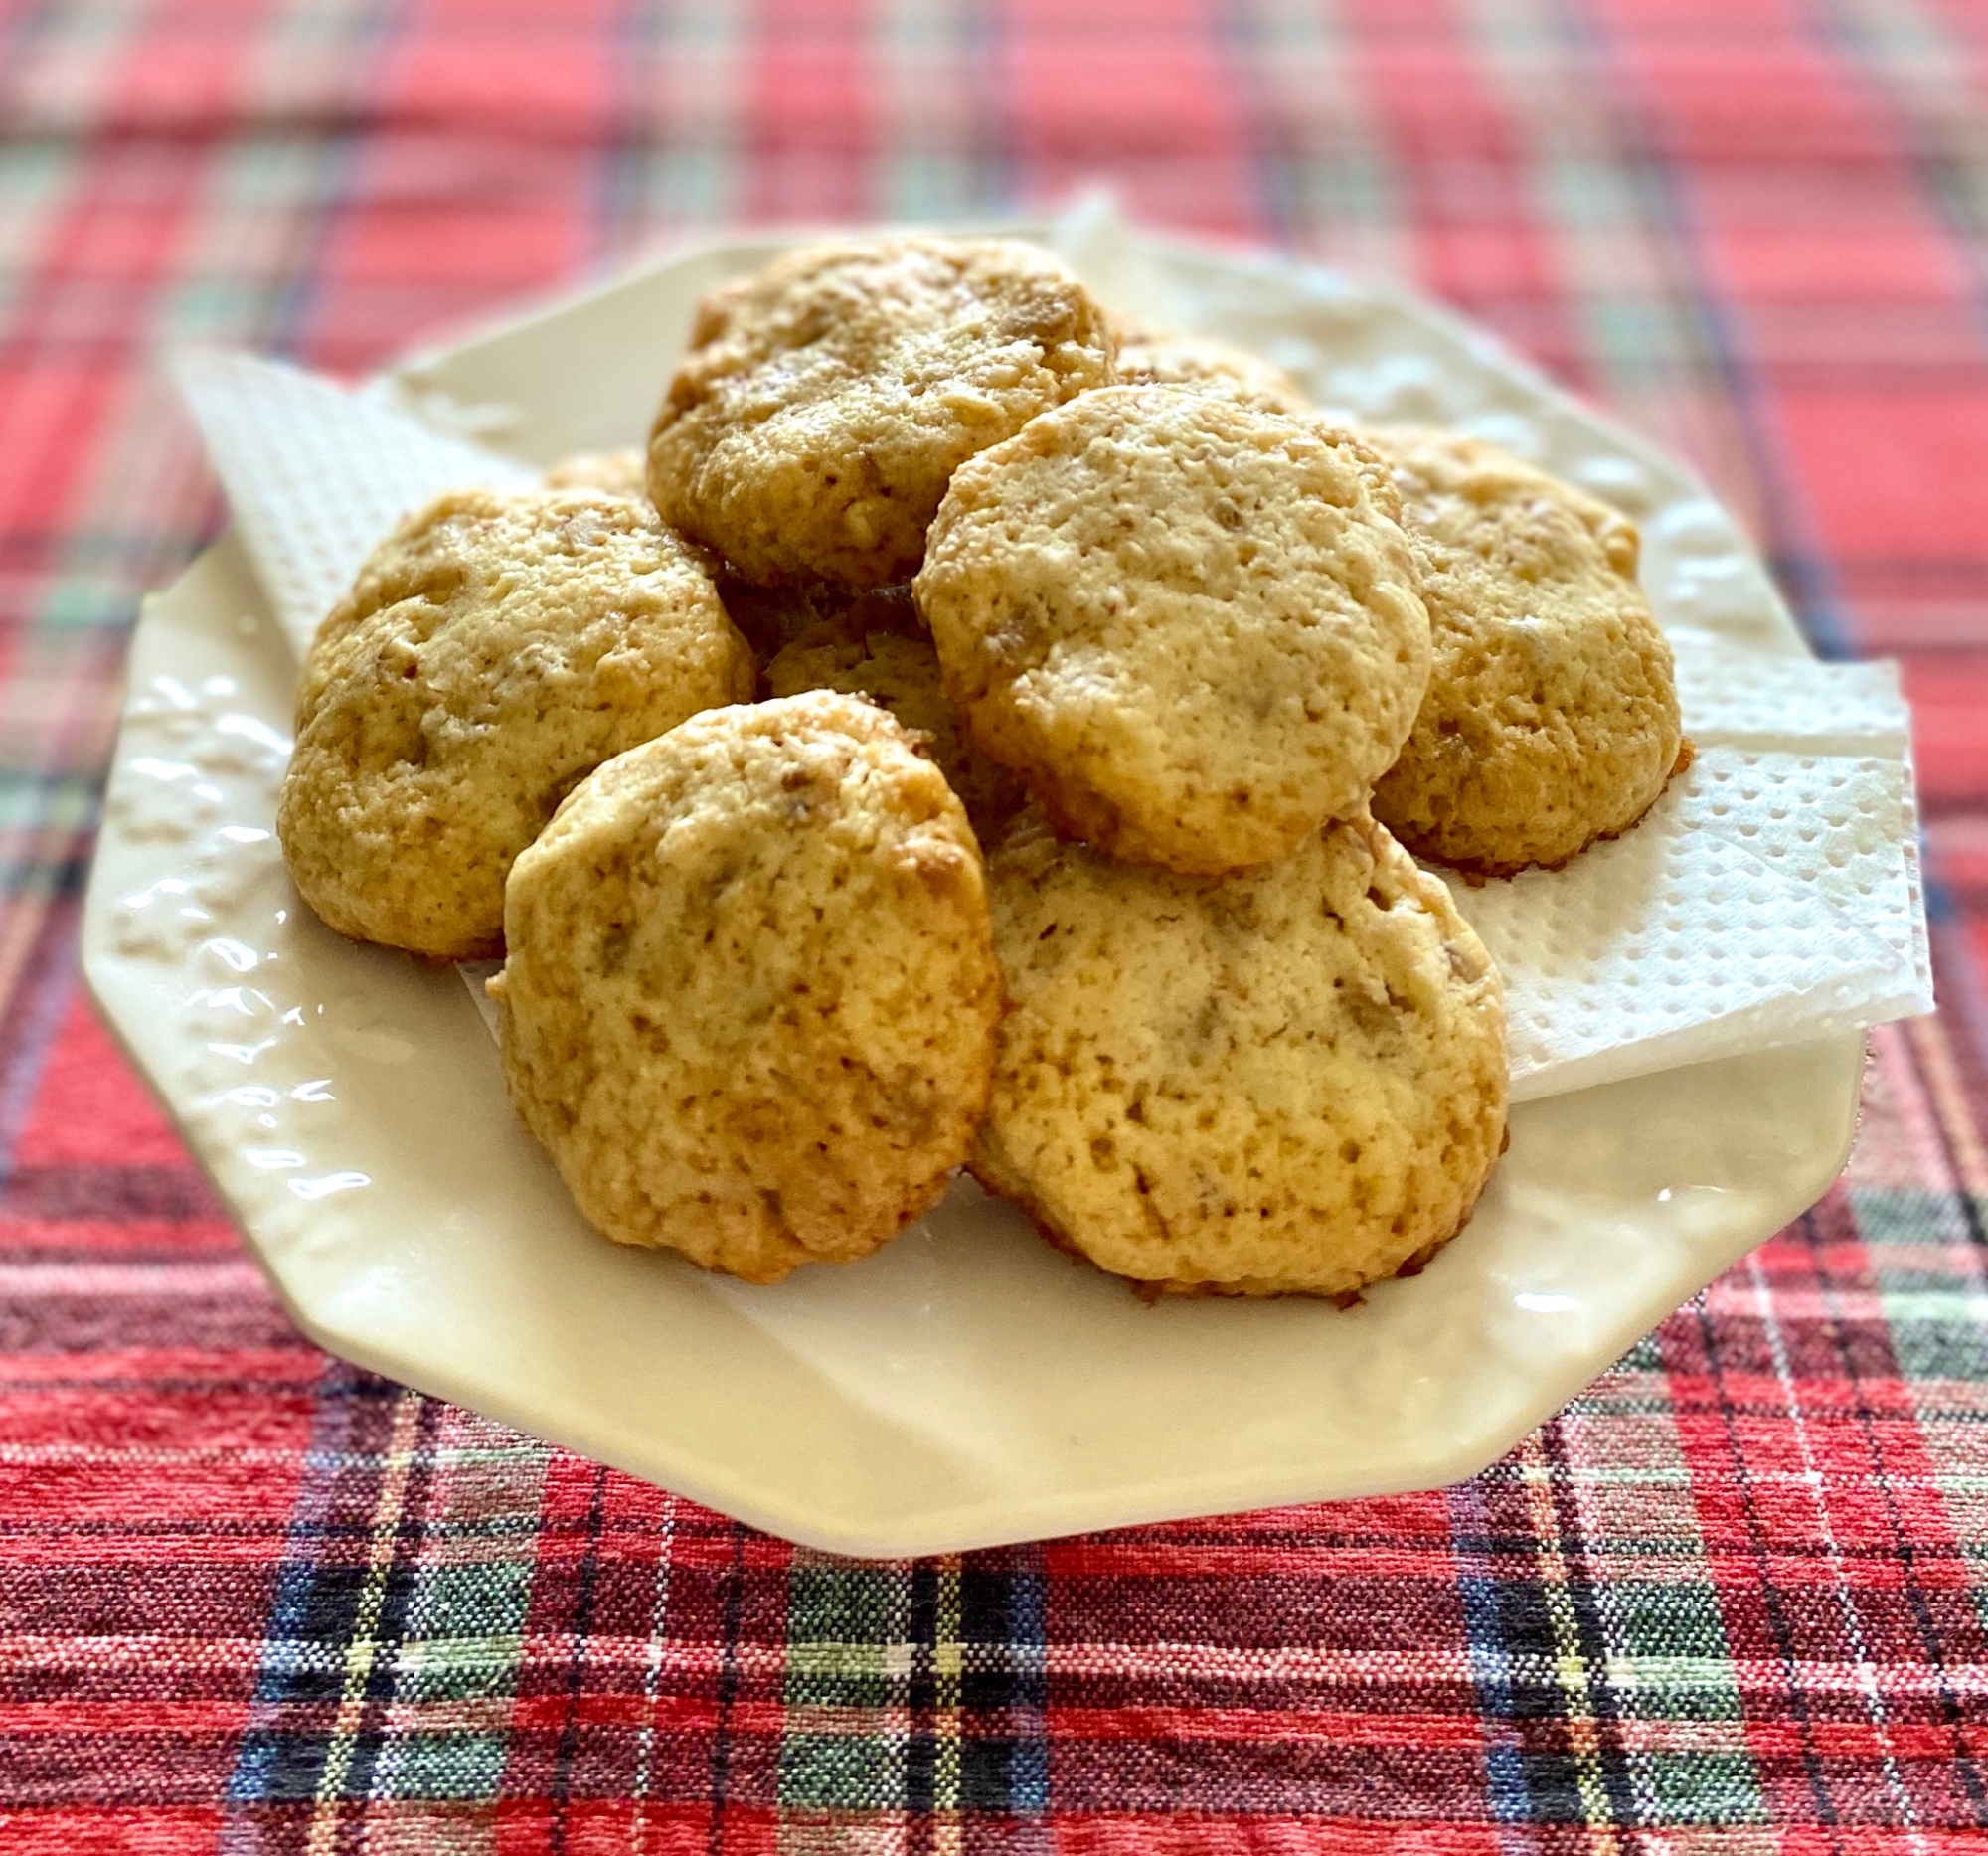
(942, 1529)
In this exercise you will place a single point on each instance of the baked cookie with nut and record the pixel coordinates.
(493, 651)
(1191, 625)
(1286, 1082)
(824, 405)
(749, 998)
(1550, 717)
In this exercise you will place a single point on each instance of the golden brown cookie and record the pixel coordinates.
(902, 674)
(1291, 1082)
(1191, 626)
(1151, 356)
(622, 474)
(495, 649)
(749, 1003)
(810, 431)
(1551, 713)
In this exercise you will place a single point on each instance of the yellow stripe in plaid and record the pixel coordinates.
(397, 1462)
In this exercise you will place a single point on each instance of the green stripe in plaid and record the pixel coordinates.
(1731, 1601)
(398, 1623)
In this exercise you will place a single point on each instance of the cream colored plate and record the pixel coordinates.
(966, 1386)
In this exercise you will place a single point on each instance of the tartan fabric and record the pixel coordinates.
(1733, 1599)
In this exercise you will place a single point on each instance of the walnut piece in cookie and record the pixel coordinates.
(1286, 1082)
(1151, 356)
(750, 999)
(494, 651)
(1550, 717)
(1191, 625)
(823, 405)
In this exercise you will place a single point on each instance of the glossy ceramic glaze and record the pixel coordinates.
(967, 1385)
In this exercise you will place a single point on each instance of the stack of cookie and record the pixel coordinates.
(1093, 670)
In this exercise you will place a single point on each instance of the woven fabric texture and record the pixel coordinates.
(1733, 1599)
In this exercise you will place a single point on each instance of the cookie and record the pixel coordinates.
(1286, 1082)
(901, 673)
(750, 999)
(1551, 713)
(494, 651)
(774, 617)
(823, 405)
(1191, 625)
(623, 473)
(1151, 356)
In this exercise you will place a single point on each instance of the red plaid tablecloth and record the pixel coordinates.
(1731, 1600)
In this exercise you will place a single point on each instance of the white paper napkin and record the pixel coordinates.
(316, 475)
(1772, 895)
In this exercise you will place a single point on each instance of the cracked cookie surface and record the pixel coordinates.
(1289, 1082)
(494, 651)
(1191, 625)
(1550, 717)
(811, 428)
(749, 998)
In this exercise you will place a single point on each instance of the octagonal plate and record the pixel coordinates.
(966, 1386)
